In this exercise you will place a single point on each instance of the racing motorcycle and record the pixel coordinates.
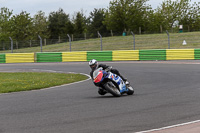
(111, 83)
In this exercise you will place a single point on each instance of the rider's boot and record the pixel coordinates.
(101, 91)
(126, 81)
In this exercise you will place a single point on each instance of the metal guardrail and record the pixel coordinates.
(121, 55)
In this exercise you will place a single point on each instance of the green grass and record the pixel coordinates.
(24, 81)
(144, 41)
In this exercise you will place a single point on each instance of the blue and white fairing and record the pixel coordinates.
(99, 75)
(118, 80)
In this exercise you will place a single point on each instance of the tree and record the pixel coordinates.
(59, 24)
(40, 23)
(139, 14)
(126, 14)
(190, 19)
(80, 24)
(5, 16)
(116, 15)
(96, 19)
(173, 11)
(21, 29)
(156, 22)
(22, 26)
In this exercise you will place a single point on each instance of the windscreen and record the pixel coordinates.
(96, 72)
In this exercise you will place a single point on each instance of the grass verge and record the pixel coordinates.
(25, 81)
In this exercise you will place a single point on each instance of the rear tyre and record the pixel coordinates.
(111, 88)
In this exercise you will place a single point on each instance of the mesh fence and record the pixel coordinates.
(116, 41)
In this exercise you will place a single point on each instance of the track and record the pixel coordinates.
(166, 93)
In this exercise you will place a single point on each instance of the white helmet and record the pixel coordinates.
(93, 64)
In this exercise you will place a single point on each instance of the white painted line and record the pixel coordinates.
(173, 126)
(65, 84)
(69, 83)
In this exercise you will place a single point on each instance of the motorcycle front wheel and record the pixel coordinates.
(130, 90)
(111, 88)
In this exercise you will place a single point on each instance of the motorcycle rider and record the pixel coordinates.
(94, 65)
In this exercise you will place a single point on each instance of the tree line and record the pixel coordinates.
(120, 16)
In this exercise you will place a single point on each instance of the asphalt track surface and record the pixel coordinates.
(166, 93)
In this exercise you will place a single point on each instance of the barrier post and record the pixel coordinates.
(40, 42)
(168, 39)
(100, 40)
(69, 42)
(133, 40)
(11, 44)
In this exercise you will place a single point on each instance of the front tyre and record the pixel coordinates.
(111, 88)
(130, 90)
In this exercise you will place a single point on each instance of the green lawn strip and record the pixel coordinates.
(24, 81)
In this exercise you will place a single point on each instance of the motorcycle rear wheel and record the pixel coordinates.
(111, 88)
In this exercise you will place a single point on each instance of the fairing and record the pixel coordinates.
(99, 75)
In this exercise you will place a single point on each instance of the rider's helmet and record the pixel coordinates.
(93, 64)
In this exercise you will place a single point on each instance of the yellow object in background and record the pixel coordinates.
(20, 58)
(125, 55)
(74, 56)
(180, 54)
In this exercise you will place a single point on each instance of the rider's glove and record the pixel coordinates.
(108, 69)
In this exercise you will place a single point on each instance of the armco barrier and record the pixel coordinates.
(125, 55)
(74, 56)
(197, 54)
(152, 55)
(2, 58)
(49, 57)
(180, 54)
(100, 55)
(122, 55)
(19, 58)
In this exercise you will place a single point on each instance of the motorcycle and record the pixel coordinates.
(111, 83)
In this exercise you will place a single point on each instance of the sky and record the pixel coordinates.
(69, 6)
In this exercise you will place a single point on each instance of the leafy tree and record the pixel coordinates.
(139, 14)
(117, 15)
(40, 23)
(190, 19)
(126, 14)
(22, 26)
(80, 24)
(96, 19)
(5, 16)
(70, 27)
(59, 24)
(156, 22)
(172, 11)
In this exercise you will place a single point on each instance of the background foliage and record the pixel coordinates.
(120, 16)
